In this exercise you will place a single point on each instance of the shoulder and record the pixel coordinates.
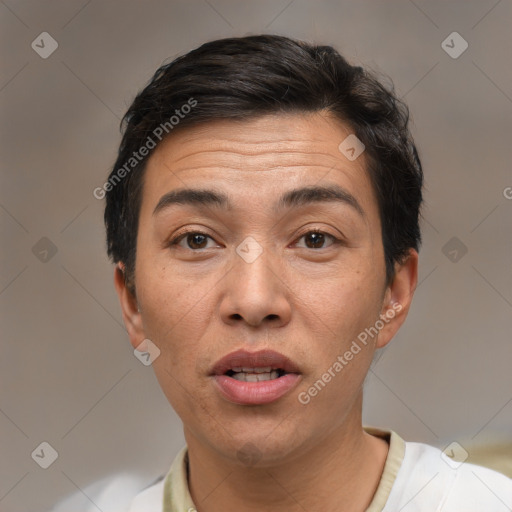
(150, 499)
(430, 480)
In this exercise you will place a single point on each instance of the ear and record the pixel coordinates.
(398, 298)
(129, 307)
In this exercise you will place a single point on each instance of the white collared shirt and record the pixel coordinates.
(416, 478)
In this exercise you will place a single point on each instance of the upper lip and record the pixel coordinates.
(260, 359)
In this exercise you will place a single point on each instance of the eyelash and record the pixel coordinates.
(177, 239)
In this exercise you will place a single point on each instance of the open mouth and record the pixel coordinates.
(255, 378)
(255, 374)
(254, 366)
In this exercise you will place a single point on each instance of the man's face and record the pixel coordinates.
(257, 274)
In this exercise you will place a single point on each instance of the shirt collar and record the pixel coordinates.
(177, 495)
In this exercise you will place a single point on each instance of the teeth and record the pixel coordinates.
(267, 369)
(262, 369)
(255, 377)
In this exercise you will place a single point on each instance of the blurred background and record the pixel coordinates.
(68, 374)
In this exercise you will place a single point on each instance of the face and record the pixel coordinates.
(281, 252)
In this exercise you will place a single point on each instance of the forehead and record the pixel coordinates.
(258, 157)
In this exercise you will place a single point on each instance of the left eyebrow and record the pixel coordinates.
(306, 195)
(291, 199)
(194, 197)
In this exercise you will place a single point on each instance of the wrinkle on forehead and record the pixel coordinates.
(295, 148)
(263, 144)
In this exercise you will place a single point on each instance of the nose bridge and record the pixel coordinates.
(254, 264)
(256, 288)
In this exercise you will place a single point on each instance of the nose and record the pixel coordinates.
(256, 293)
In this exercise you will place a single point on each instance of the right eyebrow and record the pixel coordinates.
(197, 197)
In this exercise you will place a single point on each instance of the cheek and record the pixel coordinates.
(188, 400)
(336, 320)
(175, 314)
(342, 302)
(176, 321)
(168, 297)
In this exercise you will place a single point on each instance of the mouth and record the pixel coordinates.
(255, 378)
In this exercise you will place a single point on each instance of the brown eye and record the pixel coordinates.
(317, 239)
(194, 240)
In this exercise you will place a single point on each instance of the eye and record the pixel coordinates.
(194, 240)
(315, 239)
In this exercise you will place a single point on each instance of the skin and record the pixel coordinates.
(307, 302)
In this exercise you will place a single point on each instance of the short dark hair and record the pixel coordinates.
(247, 77)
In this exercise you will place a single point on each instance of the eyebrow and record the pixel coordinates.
(291, 199)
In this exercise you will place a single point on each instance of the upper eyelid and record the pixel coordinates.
(334, 239)
(179, 238)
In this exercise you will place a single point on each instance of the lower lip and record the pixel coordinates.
(256, 393)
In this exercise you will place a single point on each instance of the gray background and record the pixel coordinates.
(68, 374)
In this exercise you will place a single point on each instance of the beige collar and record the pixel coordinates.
(177, 496)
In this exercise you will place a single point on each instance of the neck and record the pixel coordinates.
(343, 468)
